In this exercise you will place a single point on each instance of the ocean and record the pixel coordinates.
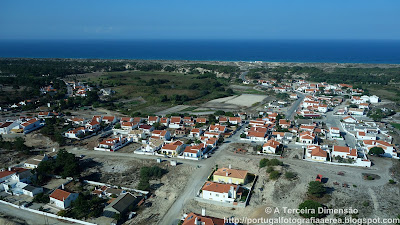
(329, 51)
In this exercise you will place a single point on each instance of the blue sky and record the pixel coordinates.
(187, 19)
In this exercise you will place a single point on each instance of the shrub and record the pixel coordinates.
(290, 175)
(270, 169)
(391, 181)
(274, 162)
(263, 162)
(316, 189)
(310, 204)
(274, 175)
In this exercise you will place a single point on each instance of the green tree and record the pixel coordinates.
(310, 209)
(263, 162)
(316, 189)
(376, 151)
(274, 175)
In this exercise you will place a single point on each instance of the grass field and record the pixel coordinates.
(396, 125)
(163, 89)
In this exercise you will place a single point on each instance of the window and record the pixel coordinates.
(216, 195)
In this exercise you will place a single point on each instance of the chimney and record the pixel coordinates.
(62, 186)
(196, 221)
(230, 166)
(54, 149)
(203, 212)
(9, 168)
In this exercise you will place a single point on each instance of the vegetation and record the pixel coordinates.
(316, 188)
(65, 165)
(86, 206)
(274, 175)
(274, 162)
(310, 209)
(41, 198)
(17, 145)
(270, 169)
(147, 173)
(290, 175)
(376, 151)
(263, 162)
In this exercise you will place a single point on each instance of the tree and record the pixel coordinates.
(274, 175)
(263, 162)
(41, 198)
(290, 175)
(274, 162)
(270, 169)
(376, 151)
(117, 126)
(309, 208)
(242, 135)
(316, 189)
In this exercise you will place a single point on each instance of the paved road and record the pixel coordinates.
(243, 75)
(295, 106)
(29, 217)
(198, 177)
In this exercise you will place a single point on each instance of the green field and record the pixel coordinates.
(161, 88)
(396, 125)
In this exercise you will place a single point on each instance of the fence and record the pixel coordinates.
(47, 214)
(108, 185)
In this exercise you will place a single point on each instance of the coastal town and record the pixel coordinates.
(96, 166)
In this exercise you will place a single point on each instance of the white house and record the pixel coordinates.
(387, 147)
(173, 148)
(175, 122)
(196, 132)
(136, 135)
(193, 151)
(315, 153)
(307, 138)
(31, 125)
(161, 134)
(349, 119)
(344, 152)
(334, 132)
(219, 192)
(374, 99)
(35, 161)
(361, 135)
(113, 144)
(356, 111)
(6, 127)
(270, 146)
(62, 199)
(152, 120)
(152, 145)
(75, 133)
(31, 190)
(256, 136)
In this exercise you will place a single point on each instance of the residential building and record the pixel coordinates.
(219, 192)
(344, 152)
(270, 146)
(231, 176)
(62, 199)
(173, 148)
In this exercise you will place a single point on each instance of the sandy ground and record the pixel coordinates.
(371, 198)
(244, 100)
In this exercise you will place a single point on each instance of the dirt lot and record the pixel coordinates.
(244, 100)
(371, 198)
(125, 173)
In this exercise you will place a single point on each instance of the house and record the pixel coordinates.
(93, 125)
(31, 190)
(181, 131)
(161, 134)
(35, 161)
(349, 119)
(128, 125)
(223, 119)
(334, 132)
(363, 106)
(374, 99)
(219, 192)
(193, 151)
(230, 176)
(256, 136)
(217, 128)
(293, 96)
(147, 129)
(77, 120)
(164, 121)
(173, 148)
(152, 120)
(126, 119)
(315, 153)
(196, 132)
(307, 138)
(121, 205)
(136, 135)
(62, 199)
(323, 108)
(112, 144)
(284, 123)
(31, 125)
(5, 128)
(235, 120)
(152, 145)
(211, 134)
(362, 135)
(196, 219)
(75, 133)
(109, 119)
(175, 122)
(188, 121)
(344, 152)
(278, 135)
(387, 147)
(270, 147)
(201, 120)
(356, 111)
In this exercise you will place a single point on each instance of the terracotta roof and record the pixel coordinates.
(204, 220)
(241, 174)
(317, 151)
(272, 143)
(6, 173)
(255, 134)
(217, 187)
(337, 148)
(201, 120)
(60, 194)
